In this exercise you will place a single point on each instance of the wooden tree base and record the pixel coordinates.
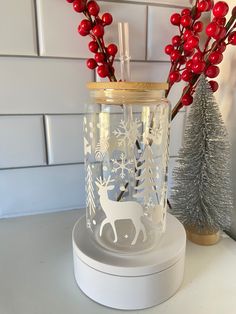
(203, 239)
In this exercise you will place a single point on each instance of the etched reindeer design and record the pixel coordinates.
(115, 210)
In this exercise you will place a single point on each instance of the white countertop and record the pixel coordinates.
(36, 272)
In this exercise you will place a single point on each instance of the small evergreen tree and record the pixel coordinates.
(202, 195)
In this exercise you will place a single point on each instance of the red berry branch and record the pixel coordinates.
(188, 60)
(93, 25)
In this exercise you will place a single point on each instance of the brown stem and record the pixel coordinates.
(176, 109)
(122, 193)
(169, 204)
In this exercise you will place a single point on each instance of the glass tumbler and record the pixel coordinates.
(126, 140)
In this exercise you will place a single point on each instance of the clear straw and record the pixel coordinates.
(123, 31)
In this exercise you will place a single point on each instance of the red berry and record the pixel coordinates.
(99, 57)
(187, 99)
(112, 49)
(93, 8)
(197, 57)
(232, 38)
(175, 19)
(174, 76)
(107, 18)
(220, 9)
(212, 71)
(102, 70)
(93, 46)
(186, 20)
(187, 34)
(185, 12)
(198, 67)
(86, 25)
(222, 33)
(198, 27)
(82, 31)
(70, 1)
(202, 6)
(188, 53)
(215, 57)
(189, 64)
(213, 30)
(214, 85)
(222, 47)
(169, 49)
(91, 64)
(187, 75)
(176, 40)
(220, 21)
(187, 47)
(193, 41)
(98, 31)
(79, 5)
(175, 55)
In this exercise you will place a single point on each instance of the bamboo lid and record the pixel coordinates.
(128, 85)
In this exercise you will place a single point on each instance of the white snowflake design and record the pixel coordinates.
(123, 165)
(127, 132)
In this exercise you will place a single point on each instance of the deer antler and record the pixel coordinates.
(108, 181)
(100, 181)
(104, 182)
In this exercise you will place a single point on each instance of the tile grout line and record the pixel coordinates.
(43, 166)
(41, 113)
(151, 3)
(36, 27)
(45, 139)
(72, 58)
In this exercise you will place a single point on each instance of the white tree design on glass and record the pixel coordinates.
(123, 165)
(115, 210)
(102, 147)
(128, 132)
(163, 202)
(155, 135)
(90, 203)
(146, 176)
(87, 147)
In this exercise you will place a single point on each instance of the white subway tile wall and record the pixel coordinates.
(21, 141)
(64, 139)
(41, 189)
(177, 133)
(136, 15)
(17, 30)
(38, 85)
(43, 77)
(58, 36)
(160, 32)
